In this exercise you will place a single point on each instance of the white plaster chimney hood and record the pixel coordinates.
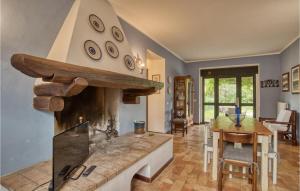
(92, 27)
(90, 49)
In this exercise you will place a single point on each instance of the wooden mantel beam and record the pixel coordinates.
(60, 72)
(67, 80)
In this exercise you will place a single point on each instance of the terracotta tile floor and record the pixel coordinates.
(185, 173)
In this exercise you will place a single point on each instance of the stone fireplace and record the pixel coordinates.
(89, 70)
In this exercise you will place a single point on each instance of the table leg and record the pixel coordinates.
(264, 163)
(215, 156)
(230, 169)
(206, 154)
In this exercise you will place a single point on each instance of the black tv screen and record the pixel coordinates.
(70, 150)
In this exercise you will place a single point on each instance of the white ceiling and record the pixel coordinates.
(214, 29)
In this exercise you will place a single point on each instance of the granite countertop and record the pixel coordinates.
(111, 159)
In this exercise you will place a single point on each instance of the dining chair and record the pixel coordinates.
(241, 157)
(178, 123)
(208, 145)
(273, 154)
(230, 111)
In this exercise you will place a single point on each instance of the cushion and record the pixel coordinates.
(273, 126)
(271, 150)
(239, 154)
(284, 116)
(179, 120)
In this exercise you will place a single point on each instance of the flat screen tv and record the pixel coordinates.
(70, 150)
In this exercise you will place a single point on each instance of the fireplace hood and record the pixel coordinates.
(90, 49)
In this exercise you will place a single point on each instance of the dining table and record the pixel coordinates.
(248, 125)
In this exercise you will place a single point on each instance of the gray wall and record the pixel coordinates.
(288, 59)
(269, 67)
(31, 27)
(140, 43)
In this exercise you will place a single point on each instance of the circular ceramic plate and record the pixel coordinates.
(96, 23)
(117, 33)
(92, 50)
(112, 49)
(129, 62)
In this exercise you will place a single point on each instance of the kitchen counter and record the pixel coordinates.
(112, 159)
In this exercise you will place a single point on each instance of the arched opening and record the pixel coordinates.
(143, 174)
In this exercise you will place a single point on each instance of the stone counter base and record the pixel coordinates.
(116, 165)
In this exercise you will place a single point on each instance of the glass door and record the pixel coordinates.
(227, 94)
(220, 94)
(209, 99)
(248, 95)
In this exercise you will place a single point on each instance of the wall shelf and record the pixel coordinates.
(67, 80)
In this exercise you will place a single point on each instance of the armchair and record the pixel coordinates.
(285, 124)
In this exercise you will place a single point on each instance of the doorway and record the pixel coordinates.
(223, 88)
(156, 101)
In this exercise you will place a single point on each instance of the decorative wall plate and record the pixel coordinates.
(129, 62)
(96, 23)
(117, 33)
(92, 50)
(112, 49)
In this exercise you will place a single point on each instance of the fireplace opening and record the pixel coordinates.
(93, 104)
